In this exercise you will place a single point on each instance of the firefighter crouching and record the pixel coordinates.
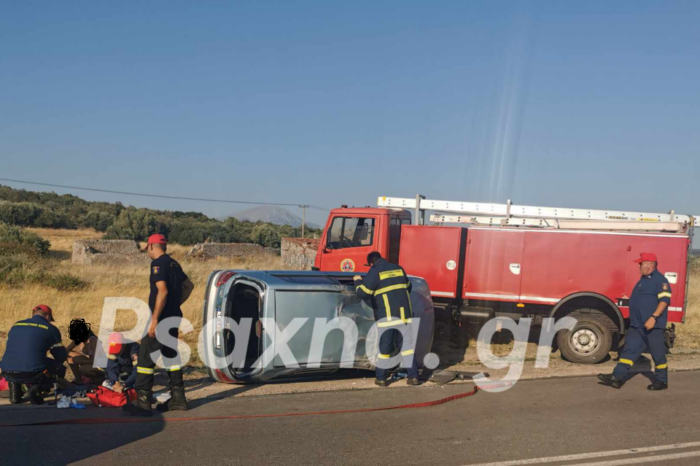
(25, 360)
(387, 289)
(648, 317)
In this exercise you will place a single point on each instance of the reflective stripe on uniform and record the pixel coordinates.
(407, 352)
(366, 290)
(386, 289)
(403, 316)
(384, 356)
(57, 345)
(665, 294)
(390, 274)
(393, 323)
(662, 366)
(388, 308)
(27, 324)
(627, 361)
(173, 368)
(144, 370)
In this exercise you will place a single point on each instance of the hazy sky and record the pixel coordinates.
(568, 104)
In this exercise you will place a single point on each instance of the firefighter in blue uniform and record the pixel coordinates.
(121, 359)
(648, 317)
(170, 288)
(387, 289)
(25, 360)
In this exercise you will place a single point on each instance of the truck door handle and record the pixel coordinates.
(515, 269)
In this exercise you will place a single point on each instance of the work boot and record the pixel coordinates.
(142, 406)
(413, 382)
(34, 397)
(381, 383)
(658, 385)
(15, 392)
(177, 401)
(610, 380)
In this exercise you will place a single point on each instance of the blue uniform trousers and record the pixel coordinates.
(636, 341)
(391, 340)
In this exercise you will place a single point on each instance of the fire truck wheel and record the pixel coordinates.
(589, 342)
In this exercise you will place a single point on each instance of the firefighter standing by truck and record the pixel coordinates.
(648, 317)
(170, 288)
(387, 287)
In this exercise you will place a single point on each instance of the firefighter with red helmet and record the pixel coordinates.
(25, 360)
(121, 358)
(648, 317)
(170, 287)
(387, 288)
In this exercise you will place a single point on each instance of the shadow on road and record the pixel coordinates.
(67, 443)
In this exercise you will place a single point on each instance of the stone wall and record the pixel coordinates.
(100, 251)
(299, 253)
(212, 250)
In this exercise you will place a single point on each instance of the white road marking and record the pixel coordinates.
(648, 459)
(601, 454)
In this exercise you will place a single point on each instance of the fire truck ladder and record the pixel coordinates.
(533, 216)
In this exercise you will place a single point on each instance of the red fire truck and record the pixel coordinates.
(519, 261)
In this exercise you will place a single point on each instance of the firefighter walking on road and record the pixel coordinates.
(170, 288)
(387, 288)
(648, 317)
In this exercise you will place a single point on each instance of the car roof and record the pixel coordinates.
(285, 279)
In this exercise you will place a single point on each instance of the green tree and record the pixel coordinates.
(19, 213)
(100, 221)
(134, 224)
(266, 235)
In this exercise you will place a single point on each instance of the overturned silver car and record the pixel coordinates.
(259, 325)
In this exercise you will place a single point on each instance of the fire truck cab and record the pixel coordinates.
(518, 262)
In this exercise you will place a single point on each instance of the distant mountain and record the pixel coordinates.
(272, 214)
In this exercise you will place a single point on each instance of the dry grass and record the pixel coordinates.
(689, 332)
(62, 240)
(132, 281)
(109, 281)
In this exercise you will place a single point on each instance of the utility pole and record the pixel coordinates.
(303, 218)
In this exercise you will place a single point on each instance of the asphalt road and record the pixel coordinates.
(556, 421)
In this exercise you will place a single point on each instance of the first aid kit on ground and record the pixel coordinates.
(106, 398)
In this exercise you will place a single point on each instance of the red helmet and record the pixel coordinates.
(116, 340)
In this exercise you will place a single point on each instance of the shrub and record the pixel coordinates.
(13, 239)
(61, 281)
(14, 268)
